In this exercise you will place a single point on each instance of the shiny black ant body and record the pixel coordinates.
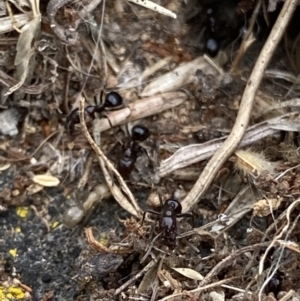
(113, 100)
(216, 24)
(139, 133)
(212, 45)
(171, 210)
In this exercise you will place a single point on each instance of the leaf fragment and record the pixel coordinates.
(46, 180)
(189, 273)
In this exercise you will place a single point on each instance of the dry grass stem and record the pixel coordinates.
(101, 248)
(10, 82)
(182, 75)
(194, 153)
(133, 207)
(288, 296)
(155, 7)
(142, 108)
(116, 192)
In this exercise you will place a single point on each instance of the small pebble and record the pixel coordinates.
(46, 278)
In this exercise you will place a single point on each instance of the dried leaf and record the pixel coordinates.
(34, 188)
(148, 280)
(189, 273)
(30, 31)
(241, 204)
(46, 180)
(20, 19)
(168, 281)
(4, 166)
(175, 79)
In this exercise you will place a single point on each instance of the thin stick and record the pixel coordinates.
(243, 117)
(136, 277)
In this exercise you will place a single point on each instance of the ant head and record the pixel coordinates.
(174, 204)
(209, 11)
(139, 133)
(113, 100)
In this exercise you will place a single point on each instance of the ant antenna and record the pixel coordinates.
(160, 198)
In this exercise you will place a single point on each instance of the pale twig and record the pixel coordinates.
(100, 247)
(153, 6)
(243, 117)
(12, 17)
(288, 295)
(116, 192)
(142, 108)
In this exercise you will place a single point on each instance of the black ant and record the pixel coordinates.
(113, 100)
(171, 210)
(139, 133)
(211, 23)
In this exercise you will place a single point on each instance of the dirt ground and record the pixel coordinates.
(81, 83)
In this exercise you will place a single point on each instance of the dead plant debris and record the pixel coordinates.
(210, 80)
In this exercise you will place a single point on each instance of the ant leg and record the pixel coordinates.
(102, 91)
(160, 199)
(101, 95)
(69, 127)
(149, 211)
(127, 134)
(152, 163)
(188, 214)
(144, 215)
(105, 116)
